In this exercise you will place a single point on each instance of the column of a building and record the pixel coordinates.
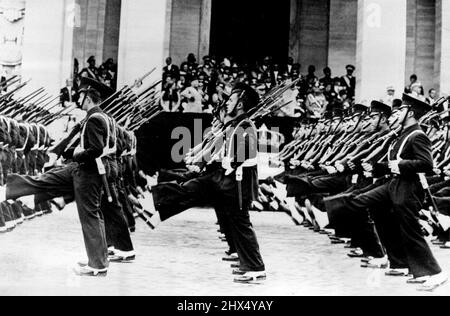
(342, 35)
(442, 47)
(141, 44)
(205, 28)
(420, 41)
(381, 47)
(308, 39)
(47, 57)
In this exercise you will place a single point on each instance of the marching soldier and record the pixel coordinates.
(98, 137)
(410, 155)
(234, 186)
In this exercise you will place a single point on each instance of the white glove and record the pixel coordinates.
(351, 165)
(340, 167)
(77, 150)
(52, 160)
(394, 166)
(367, 167)
(194, 168)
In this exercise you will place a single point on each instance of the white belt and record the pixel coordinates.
(226, 163)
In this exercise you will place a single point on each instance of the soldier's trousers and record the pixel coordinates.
(88, 188)
(126, 205)
(225, 227)
(117, 232)
(61, 183)
(182, 176)
(214, 188)
(404, 197)
(55, 183)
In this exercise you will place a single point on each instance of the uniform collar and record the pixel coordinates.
(94, 110)
(238, 119)
(412, 128)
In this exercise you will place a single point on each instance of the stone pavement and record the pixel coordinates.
(183, 257)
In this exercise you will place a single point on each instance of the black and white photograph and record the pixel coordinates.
(203, 150)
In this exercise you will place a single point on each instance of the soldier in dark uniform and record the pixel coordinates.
(234, 186)
(73, 181)
(88, 183)
(349, 81)
(117, 231)
(410, 155)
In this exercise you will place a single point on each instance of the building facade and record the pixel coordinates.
(387, 40)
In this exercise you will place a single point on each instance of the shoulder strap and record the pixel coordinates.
(402, 146)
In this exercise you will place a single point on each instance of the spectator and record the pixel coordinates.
(170, 100)
(390, 96)
(289, 98)
(91, 71)
(316, 103)
(327, 81)
(107, 73)
(171, 70)
(349, 81)
(69, 94)
(432, 96)
(417, 91)
(412, 80)
(193, 98)
(289, 66)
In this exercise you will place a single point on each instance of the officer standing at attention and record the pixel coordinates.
(88, 183)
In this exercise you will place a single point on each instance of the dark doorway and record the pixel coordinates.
(250, 29)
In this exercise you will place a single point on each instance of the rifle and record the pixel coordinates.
(7, 95)
(31, 96)
(7, 81)
(10, 83)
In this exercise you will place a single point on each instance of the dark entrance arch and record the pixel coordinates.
(250, 29)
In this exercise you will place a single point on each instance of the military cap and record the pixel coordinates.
(379, 107)
(358, 109)
(91, 59)
(419, 107)
(396, 104)
(91, 84)
(350, 67)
